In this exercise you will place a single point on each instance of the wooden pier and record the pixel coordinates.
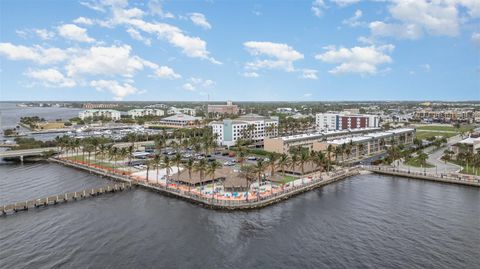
(62, 198)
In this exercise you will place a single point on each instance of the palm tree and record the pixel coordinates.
(189, 165)
(319, 159)
(167, 165)
(272, 162)
(422, 158)
(294, 161)
(177, 160)
(260, 167)
(304, 158)
(130, 150)
(211, 169)
(156, 161)
(113, 155)
(201, 168)
(329, 155)
(247, 171)
(283, 161)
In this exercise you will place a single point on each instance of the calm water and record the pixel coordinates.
(367, 221)
(10, 115)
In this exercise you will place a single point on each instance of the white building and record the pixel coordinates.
(188, 111)
(229, 131)
(181, 120)
(337, 121)
(98, 113)
(134, 113)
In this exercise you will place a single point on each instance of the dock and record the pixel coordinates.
(62, 198)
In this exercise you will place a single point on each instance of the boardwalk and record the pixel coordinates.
(62, 198)
(469, 180)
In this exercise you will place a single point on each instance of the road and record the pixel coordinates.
(434, 156)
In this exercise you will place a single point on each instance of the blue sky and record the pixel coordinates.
(240, 50)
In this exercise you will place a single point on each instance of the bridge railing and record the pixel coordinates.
(449, 176)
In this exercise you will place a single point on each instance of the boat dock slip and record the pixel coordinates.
(62, 198)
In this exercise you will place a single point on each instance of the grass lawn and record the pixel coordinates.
(286, 179)
(416, 163)
(445, 128)
(50, 125)
(469, 171)
(425, 134)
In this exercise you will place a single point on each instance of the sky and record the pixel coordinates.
(163, 50)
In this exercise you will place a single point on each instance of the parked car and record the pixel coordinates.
(251, 158)
(231, 154)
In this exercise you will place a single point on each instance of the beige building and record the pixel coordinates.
(363, 143)
(229, 108)
(357, 147)
(285, 143)
(444, 115)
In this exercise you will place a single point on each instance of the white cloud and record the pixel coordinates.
(193, 83)
(108, 61)
(361, 60)
(425, 67)
(166, 72)
(120, 91)
(200, 20)
(251, 74)
(137, 36)
(414, 18)
(83, 20)
(44, 34)
(156, 8)
(51, 78)
(188, 87)
(309, 74)
(75, 33)
(306, 95)
(354, 20)
(401, 31)
(280, 56)
(344, 3)
(476, 38)
(37, 54)
(191, 46)
(317, 7)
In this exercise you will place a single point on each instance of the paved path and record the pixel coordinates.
(434, 156)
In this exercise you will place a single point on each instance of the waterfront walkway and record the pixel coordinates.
(453, 178)
(227, 200)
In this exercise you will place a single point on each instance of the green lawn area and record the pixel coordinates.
(416, 163)
(470, 170)
(286, 179)
(425, 134)
(445, 128)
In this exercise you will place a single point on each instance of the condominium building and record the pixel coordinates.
(343, 121)
(229, 108)
(135, 113)
(285, 143)
(357, 147)
(185, 110)
(250, 126)
(444, 115)
(99, 113)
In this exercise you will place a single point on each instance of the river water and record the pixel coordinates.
(367, 221)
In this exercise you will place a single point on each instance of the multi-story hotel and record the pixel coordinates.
(342, 121)
(373, 140)
(135, 113)
(99, 113)
(229, 108)
(250, 126)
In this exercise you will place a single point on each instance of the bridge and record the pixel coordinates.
(27, 152)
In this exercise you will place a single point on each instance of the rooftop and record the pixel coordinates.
(182, 117)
